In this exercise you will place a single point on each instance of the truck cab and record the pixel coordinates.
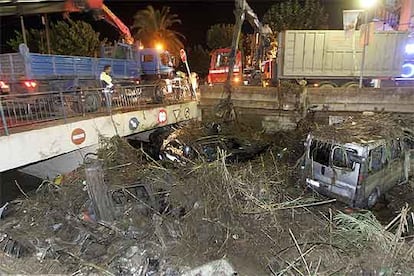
(156, 63)
(153, 63)
(219, 67)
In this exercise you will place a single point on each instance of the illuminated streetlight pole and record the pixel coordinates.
(366, 4)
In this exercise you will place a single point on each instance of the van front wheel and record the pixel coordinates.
(372, 198)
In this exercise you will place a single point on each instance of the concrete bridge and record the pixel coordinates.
(42, 138)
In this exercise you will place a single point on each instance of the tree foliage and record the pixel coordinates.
(75, 38)
(154, 26)
(199, 59)
(220, 36)
(296, 15)
(34, 40)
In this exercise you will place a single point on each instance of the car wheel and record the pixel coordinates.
(372, 198)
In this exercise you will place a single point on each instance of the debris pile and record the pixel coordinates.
(362, 129)
(173, 216)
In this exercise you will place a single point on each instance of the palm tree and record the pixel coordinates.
(153, 26)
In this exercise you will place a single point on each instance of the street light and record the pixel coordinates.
(159, 47)
(366, 4)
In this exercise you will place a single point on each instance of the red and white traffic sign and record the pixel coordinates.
(162, 116)
(183, 55)
(78, 136)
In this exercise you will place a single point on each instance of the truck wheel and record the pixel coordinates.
(351, 84)
(372, 198)
(327, 85)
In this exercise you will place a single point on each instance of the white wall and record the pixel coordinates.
(28, 147)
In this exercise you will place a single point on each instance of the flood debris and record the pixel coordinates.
(183, 147)
(3, 210)
(247, 217)
(218, 267)
(364, 128)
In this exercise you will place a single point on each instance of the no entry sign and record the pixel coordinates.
(183, 55)
(78, 136)
(162, 116)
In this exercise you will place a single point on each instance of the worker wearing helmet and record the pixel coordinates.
(107, 84)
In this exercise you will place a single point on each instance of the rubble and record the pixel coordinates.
(3, 210)
(363, 128)
(186, 219)
(219, 267)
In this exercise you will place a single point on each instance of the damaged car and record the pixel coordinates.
(208, 149)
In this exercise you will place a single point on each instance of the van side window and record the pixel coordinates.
(339, 158)
(376, 157)
(320, 152)
(344, 158)
(395, 149)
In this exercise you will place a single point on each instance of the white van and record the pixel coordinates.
(355, 173)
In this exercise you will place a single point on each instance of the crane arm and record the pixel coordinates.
(110, 17)
(82, 5)
(242, 10)
(263, 30)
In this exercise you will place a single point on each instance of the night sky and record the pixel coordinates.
(196, 16)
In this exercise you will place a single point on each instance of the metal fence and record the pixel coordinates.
(17, 110)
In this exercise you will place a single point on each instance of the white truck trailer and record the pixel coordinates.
(328, 58)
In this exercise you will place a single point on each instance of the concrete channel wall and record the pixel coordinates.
(281, 108)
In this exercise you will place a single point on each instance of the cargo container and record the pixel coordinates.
(334, 58)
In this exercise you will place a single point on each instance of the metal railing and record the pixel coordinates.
(18, 110)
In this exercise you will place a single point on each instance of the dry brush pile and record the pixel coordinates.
(366, 128)
(252, 213)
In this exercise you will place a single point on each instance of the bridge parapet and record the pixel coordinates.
(42, 138)
(17, 110)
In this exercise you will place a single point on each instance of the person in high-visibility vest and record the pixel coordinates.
(107, 84)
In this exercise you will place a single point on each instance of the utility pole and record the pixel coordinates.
(46, 23)
(364, 50)
(23, 29)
